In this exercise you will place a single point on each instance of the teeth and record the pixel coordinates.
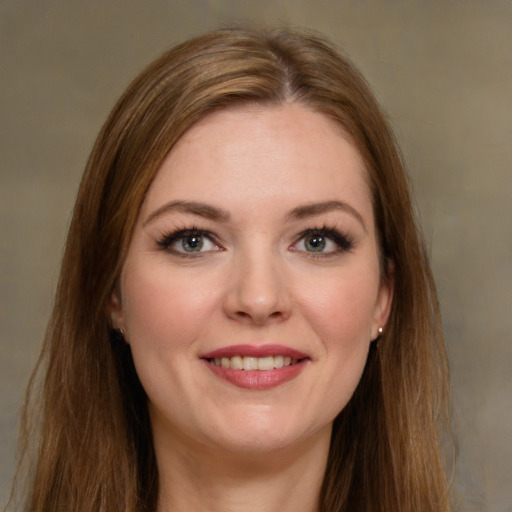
(236, 363)
(254, 363)
(250, 363)
(266, 363)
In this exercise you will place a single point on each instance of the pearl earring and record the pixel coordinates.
(120, 335)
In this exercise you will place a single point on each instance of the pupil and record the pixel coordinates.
(192, 243)
(315, 243)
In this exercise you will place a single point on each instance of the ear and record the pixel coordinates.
(384, 302)
(115, 310)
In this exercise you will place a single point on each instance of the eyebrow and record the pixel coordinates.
(312, 209)
(202, 210)
(218, 214)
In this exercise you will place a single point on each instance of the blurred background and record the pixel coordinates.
(441, 69)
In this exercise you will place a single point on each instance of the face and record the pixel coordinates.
(251, 289)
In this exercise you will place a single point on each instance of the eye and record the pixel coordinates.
(192, 243)
(317, 243)
(189, 242)
(323, 242)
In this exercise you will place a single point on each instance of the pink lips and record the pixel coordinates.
(255, 351)
(256, 379)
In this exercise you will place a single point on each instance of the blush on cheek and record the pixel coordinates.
(164, 310)
(344, 309)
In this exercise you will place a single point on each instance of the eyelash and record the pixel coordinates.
(343, 242)
(168, 239)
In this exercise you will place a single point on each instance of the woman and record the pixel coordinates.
(245, 318)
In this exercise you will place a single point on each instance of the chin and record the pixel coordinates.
(252, 433)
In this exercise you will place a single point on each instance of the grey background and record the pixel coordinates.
(443, 71)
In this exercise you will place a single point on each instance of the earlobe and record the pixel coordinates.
(115, 311)
(384, 302)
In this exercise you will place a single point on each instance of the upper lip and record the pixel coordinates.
(255, 351)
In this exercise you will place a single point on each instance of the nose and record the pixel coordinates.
(259, 290)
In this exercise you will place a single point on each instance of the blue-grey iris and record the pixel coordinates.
(192, 243)
(315, 243)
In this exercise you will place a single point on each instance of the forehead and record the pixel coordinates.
(261, 156)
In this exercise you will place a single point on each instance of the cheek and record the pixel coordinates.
(162, 307)
(341, 307)
(341, 318)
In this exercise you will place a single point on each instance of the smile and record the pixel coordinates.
(253, 363)
(256, 367)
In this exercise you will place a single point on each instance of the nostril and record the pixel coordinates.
(257, 300)
(258, 317)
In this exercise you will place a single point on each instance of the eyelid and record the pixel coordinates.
(343, 241)
(167, 240)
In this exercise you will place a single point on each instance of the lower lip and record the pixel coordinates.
(257, 379)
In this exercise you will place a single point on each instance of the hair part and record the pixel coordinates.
(94, 447)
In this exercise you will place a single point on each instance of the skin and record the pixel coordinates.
(219, 446)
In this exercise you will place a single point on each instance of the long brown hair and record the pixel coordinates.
(93, 439)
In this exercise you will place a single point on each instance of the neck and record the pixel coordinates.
(213, 479)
